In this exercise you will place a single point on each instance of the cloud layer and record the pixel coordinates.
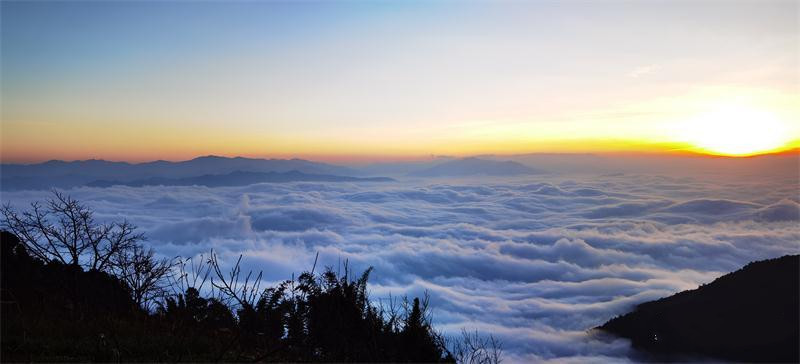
(536, 261)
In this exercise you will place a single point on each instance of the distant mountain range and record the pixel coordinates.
(238, 178)
(750, 315)
(194, 167)
(223, 171)
(61, 174)
(674, 164)
(78, 173)
(475, 167)
(401, 168)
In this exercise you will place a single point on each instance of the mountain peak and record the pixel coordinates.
(209, 157)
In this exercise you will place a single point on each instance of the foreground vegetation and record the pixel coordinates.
(77, 290)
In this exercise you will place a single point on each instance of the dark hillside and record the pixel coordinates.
(61, 312)
(749, 315)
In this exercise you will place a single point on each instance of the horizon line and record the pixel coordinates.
(365, 160)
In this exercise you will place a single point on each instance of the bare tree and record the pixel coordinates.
(64, 230)
(192, 272)
(146, 276)
(389, 309)
(244, 294)
(472, 348)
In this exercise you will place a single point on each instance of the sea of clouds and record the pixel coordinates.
(537, 261)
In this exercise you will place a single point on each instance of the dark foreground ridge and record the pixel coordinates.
(61, 312)
(749, 315)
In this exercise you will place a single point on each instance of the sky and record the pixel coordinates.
(370, 80)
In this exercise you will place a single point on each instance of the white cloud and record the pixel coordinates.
(643, 70)
(535, 261)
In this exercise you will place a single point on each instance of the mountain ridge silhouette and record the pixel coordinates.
(748, 315)
(62, 174)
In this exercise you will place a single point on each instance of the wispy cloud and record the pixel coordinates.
(643, 70)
